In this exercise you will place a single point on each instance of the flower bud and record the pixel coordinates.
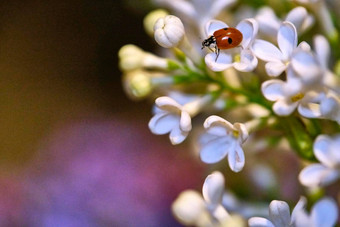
(169, 31)
(189, 208)
(151, 18)
(133, 57)
(137, 84)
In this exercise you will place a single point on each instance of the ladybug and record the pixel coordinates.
(225, 38)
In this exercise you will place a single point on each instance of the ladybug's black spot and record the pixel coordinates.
(225, 28)
(230, 40)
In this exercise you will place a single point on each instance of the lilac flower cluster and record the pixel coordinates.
(272, 81)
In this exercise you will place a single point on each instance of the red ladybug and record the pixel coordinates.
(225, 38)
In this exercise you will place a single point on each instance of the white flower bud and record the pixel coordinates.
(189, 209)
(169, 31)
(151, 18)
(133, 57)
(137, 84)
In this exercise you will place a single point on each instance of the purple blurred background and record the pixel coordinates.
(74, 150)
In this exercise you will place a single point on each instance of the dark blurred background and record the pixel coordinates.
(74, 150)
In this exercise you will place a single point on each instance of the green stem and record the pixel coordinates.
(298, 136)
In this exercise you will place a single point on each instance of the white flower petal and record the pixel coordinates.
(243, 132)
(306, 66)
(163, 123)
(275, 68)
(317, 175)
(266, 51)
(218, 130)
(215, 150)
(297, 16)
(330, 108)
(309, 110)
(216, 120)
(214, 25)
(221, 214)
(272, 89)
(283, 107)
(185, 122)
(215, 7)
(260, 222)
(307, 23)
(325, 213)
(304, 46)
(323, 151)
(166, 101)
(287, 39)
(294, 84)
(213, 189)
(328, 105)
(177, 136)
(248, 61)
(299, 212)
(279, 213)
(179, 6)
(269, 24)
(322, 50)
(236, 158)
(222, 62)
(248, 28)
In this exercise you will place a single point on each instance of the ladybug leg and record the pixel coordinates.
(217, 51)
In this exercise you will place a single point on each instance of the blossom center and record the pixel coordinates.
(236, 133)
(237, 58)
(297, 97)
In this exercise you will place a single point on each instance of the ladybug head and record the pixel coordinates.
(207, 42)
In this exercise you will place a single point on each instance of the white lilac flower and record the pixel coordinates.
(326, 150)
(269, 24)
(190, 208)
(290, 94)
(174, 118)
(330, 107)
(322, 51)
(307, 68)
(279, 216)
(323, 105)
(319, 8)
(197, 12)
(277, 59)
(241, 58)
(311, 68)
(132, 57)
(323, 214)
(223, 139)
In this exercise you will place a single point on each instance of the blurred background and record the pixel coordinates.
(74, 150)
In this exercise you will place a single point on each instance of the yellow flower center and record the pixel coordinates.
(237, 58)
(236, 133)
(297, 97)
